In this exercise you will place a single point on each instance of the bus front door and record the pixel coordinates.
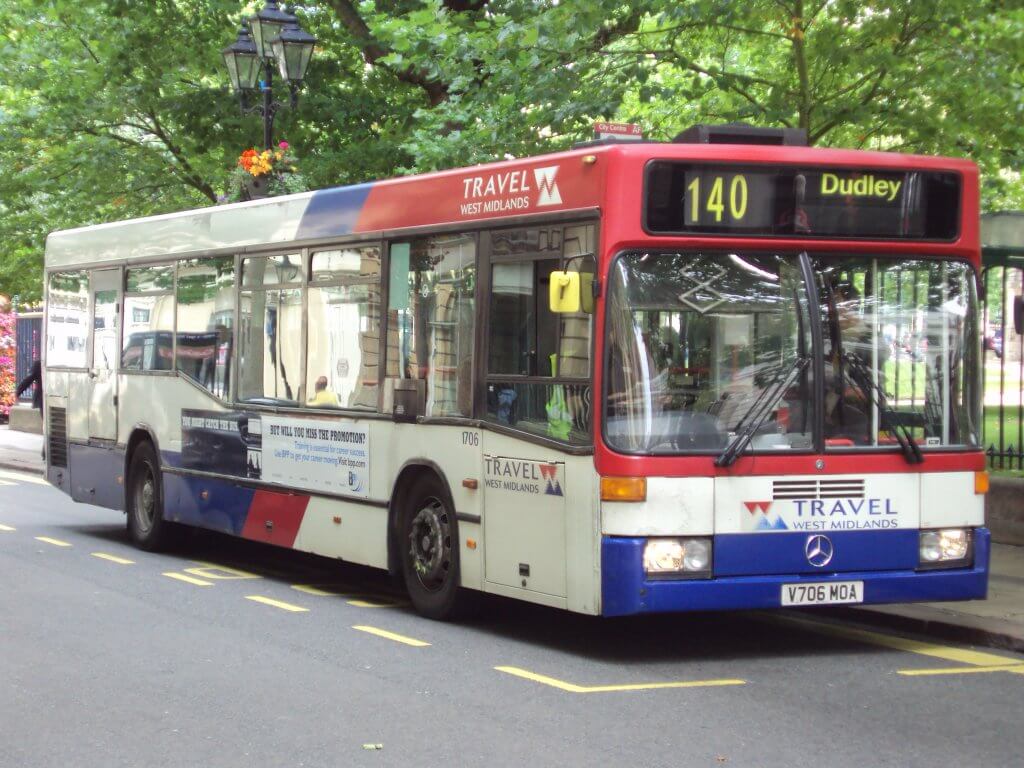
(524, 517)
(103, 366)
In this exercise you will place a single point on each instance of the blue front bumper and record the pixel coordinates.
(625, 590)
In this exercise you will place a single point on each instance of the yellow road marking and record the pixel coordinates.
(949, 653)
(1017, 668)
(391, 636)
(113, 558)
(370, 604)
(562, 685)
(7, 528)
(219, 572)
(22, 478)
(55, 542)
(277, 604)
(187, 579)
(358, 602)
(309, 589)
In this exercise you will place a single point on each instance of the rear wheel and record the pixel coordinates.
(428, 539)
(146, 525)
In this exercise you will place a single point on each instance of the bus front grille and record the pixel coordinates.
(842, 488)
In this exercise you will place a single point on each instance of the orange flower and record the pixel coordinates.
(246, 160)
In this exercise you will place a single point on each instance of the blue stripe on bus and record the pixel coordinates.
(225, 508)
(94, 473)
(333, 212)
(624, 590)
(764, 554)
(170, 459)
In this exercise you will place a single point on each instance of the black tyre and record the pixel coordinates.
(428, 541)
(145, 501)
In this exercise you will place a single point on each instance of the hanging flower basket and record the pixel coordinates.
(255, 188)
(259, 174)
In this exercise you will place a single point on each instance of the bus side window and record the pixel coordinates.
(343, 328)
(270, 332)
(205, 312)
(527, 342)
(431, 318)
(148, 319)
(67, 319)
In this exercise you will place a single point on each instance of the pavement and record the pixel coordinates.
(996, 622)
(21, 450)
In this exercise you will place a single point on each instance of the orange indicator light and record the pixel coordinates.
(623, 488)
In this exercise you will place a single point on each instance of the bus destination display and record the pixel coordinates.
(686, 198)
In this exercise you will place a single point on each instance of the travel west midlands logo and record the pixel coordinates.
(761, 518)
(550, 474)
(545, 180)
(505, 191)
(522, 476)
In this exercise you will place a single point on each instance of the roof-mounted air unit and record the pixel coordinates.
(740, 133)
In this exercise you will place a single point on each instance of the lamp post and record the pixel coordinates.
(270, 39)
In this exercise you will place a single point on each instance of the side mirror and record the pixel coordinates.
(587, 292)
(1018, 314)
(564, 292)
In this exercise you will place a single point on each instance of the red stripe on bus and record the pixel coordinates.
(550, 184)
(610, 463)
(274, 518)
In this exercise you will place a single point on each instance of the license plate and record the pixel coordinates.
(823, 593)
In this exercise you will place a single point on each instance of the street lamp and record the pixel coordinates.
(293, 49)
(243, 62)
(272, 38)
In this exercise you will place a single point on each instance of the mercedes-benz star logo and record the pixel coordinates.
(818, 550)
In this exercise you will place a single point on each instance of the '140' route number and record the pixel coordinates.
(714, 200)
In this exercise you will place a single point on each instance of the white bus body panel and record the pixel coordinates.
(948, 500)
(816, 503)
(675, 506)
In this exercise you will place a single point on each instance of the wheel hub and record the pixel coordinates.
(430, 539)
(146, 501)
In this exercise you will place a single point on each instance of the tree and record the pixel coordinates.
(931, 78)
(103, 118)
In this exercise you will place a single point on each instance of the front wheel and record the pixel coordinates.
(146, 525)
(428, 539)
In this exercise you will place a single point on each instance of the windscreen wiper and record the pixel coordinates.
(890, 420)
(759, 411)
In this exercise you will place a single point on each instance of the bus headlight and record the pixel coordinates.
(945, 548)
(677, 558)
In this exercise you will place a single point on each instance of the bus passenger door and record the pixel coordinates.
(524, 516)
(105, 347)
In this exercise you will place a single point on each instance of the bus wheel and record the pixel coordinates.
(428, 540)
(146, 525)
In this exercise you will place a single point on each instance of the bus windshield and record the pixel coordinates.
(704, 347)
(901, 351)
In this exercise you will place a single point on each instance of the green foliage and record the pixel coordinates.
(931, 78)
(111, 108)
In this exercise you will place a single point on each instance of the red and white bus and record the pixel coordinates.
(626, 378)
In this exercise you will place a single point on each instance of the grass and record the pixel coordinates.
(904, 380)
(907, 387)
(990, 433)
(1011, 421)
